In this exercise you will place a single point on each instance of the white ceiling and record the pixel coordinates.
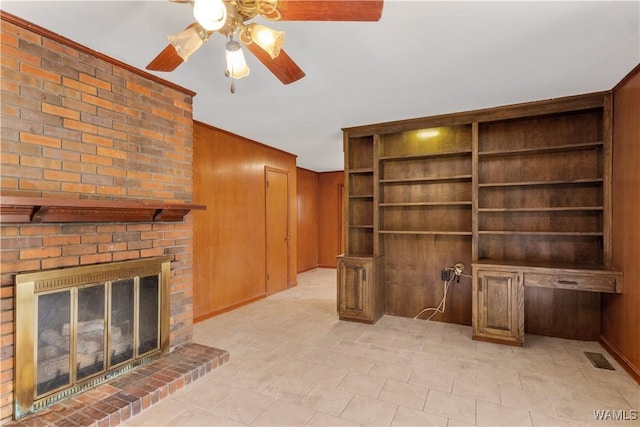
(422, 58)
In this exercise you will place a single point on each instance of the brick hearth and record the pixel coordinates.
(115, 401)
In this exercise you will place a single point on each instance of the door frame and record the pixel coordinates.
(340, 240)
(285, 172)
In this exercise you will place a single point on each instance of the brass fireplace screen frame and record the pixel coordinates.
(28, 286)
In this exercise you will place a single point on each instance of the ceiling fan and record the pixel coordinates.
(231, 18)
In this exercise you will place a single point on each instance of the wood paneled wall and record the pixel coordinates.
(319, 219)
(308, 191)
(229, 237)
(330, 218)
(621, 313)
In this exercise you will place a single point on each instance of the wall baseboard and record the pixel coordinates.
(308, 269)
(632, 370)
(228, 308)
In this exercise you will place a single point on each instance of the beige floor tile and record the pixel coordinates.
(491, 414)
(545, 420)
(258, 358)
(400, 343)
(320, 419)
(243, 407)
(577, 410)
(351, 347)
(617, 378)
(499, 375)
(409, 395)
(452, 422)
(457, 367)
(413, 417)
(157, 415)
(291, 347)
(607, 396)
(448, 351)
(517, 397)
(287, 388)
(353, 363)
(254, 379)
(363, 384)
(462, 343)
(476, 389)
(553, 389)
(434, 379)
(451, 406)
(324, 355)
(204, 395)
(421, 359)
(196, 416)
(291, 366)
(328, 400)
(378, 352)
(397, 371)
(326, 341)
(376, 338)
(631, 393)
(370, 412)
(325, 375)
(284, 414)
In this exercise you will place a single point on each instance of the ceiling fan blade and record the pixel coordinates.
(282, 66)
(167, 60)
(328, 10)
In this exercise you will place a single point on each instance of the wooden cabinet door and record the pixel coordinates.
(500, 305)
(353, 289)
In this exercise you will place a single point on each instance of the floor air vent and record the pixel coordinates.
(599, 361)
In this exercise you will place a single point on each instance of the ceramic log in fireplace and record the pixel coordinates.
(78, 327)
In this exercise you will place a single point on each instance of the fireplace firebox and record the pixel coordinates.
(79, 327)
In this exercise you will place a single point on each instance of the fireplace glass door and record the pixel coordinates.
(54, 349)
(72, 329)
(149, 315)
(90, 332)
(78, 327)
(122, 319)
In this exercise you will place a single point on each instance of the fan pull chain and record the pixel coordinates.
(233, 82)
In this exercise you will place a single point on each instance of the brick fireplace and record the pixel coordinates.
(80, 327)
(78, 126)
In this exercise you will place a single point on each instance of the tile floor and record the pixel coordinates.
(292, 363)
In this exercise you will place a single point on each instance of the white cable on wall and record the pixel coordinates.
(457, 273)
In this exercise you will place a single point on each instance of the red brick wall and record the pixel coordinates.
(77, 124)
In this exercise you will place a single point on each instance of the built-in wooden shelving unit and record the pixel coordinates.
(513, 186)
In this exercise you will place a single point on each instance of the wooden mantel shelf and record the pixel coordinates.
(23, 210)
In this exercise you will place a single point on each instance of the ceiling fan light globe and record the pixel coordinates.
(211, 14)
(268, 39)
(186, 42)
(237, 67)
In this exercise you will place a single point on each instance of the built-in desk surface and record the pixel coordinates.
(579, 277)
(498, 292)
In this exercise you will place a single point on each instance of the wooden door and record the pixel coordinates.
(277, 230)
